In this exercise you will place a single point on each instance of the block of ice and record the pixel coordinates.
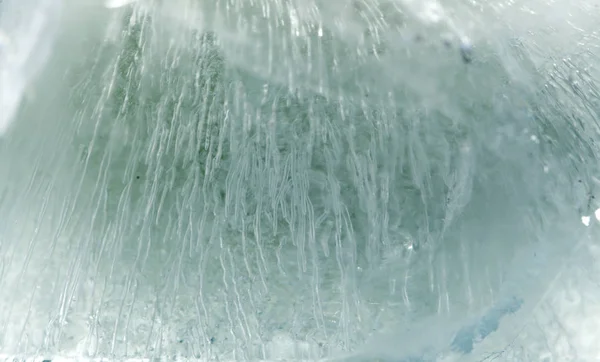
(315, 179)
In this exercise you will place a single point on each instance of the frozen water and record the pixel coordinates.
(27, 30)
(300, 180)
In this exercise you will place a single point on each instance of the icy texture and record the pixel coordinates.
(27, 31)
(287, 180)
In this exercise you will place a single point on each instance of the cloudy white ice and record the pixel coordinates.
(335, 180)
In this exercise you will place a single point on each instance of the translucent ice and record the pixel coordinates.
(470, 334)
(288, 180)
(27, 30)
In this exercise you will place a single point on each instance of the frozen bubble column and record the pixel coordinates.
(286, 180)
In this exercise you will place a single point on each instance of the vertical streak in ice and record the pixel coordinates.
(467, 275)
(459, 183)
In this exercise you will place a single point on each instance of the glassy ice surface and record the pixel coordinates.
(27, 30)
(331, 180)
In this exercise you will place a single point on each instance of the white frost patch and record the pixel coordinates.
(114, 4)
(585, 220)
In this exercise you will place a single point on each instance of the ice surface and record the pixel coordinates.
(27, 30)
(330, 180)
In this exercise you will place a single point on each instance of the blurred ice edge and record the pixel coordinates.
(27, 31)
